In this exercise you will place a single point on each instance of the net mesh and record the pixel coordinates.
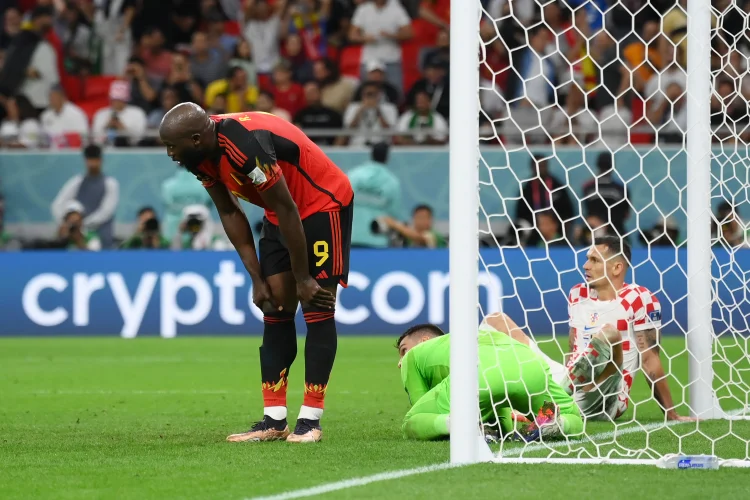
(583, 121)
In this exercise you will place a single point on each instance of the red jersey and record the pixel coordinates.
(291, 99)
(259, 148)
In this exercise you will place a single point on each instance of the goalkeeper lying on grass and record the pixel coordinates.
(512, 378)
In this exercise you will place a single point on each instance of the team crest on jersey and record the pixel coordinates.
(593, 319)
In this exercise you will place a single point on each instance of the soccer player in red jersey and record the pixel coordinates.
(304, 247)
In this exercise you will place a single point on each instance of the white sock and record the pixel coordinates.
(310, 413)
(275, 412)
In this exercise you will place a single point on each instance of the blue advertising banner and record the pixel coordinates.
(208, 293)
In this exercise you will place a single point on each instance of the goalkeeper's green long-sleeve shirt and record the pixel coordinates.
(511, 376)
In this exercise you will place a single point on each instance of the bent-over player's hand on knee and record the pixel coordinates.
(310, 292)
(262, 297)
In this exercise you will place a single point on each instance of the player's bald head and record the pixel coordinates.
(183, 121)
(189, 135)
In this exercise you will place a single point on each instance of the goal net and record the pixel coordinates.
(598, 118)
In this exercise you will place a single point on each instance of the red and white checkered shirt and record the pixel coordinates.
(635, 309)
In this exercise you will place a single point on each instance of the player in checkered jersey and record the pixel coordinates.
(614, 332)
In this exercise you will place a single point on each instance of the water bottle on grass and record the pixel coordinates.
(674, 461)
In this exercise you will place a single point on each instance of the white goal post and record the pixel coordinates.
(470, 220)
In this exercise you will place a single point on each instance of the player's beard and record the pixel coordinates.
(192, 159)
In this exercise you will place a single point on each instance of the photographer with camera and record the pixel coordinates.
(148, 236)
(196, 231)
(420, 234)
(71, 234)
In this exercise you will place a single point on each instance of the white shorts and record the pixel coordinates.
(606, 402)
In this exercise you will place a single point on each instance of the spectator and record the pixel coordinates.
(643, 59)
(219, 106)
(593, 227)
(380, 26)
(30, 67)
(376, 74)
(377, 194)
(219, 41)
(148, 235)
(665, 233)
(7, 240)
(535, 72)
(64, 124)
(184, 18)
(370, 116)
(422, 125)
(243, 58)
(548, 229)
(119, 124)
(72, 234)
(435, 83)
(420, 233)
(11, 27)
(728, 111)
(113, 24)
(731, 234)
(262, 31)
(440, 55)
(336, 92)
(670, 118)
(315, 115)
(675, 27)
(656, 87)
(266, 104)
(240, 95)
(169, 100)
(98, 194)
(77, 38)
(207, 65)
(156, 58)
(605, 197)
(181, 79)
(177, 192)
(436, 12)
(287, 94)
(295, 55)
(20, 128)
(143, 89)
(494, 71)
(196, 231)
(614, 114)
(308, 22)
(543, 192)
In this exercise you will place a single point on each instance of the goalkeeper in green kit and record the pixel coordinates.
(513, 379)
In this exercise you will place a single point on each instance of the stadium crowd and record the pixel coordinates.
(556, 71)
(363, 73)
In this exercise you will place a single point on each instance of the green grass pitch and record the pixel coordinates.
(147, 418)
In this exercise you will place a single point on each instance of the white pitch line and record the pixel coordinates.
(387, 476)
(604, 436)
(357, 481)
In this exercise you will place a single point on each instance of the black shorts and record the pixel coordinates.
(329, 237)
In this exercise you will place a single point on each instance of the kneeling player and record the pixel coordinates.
(304, 248)
(512, 377)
